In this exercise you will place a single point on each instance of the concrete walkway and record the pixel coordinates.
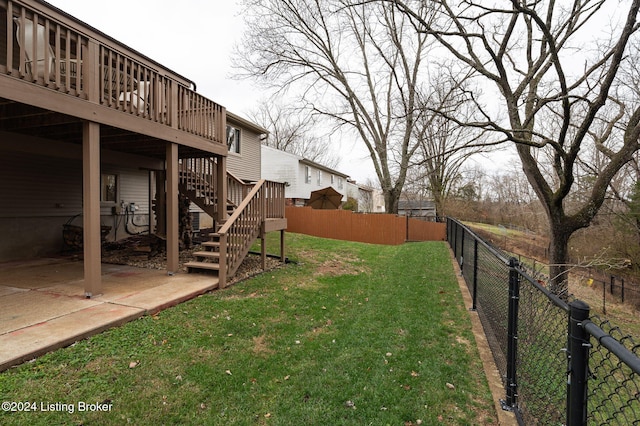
(43, 308)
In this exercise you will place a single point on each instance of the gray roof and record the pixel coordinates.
(416, 205)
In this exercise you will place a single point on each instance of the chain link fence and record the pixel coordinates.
(614, 387)
(612, 287)
(558, 365)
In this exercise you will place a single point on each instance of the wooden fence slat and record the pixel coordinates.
(366, 228)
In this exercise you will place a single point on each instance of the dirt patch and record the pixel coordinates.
(260, 346)
(462, 341)
(341, 265)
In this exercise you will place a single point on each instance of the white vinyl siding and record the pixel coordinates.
(246, 164)
(301, 178)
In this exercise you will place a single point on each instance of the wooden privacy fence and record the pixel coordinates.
(376, 228)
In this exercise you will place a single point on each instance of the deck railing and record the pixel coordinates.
(247, 223)
(240, 231)
(237, 189)
(48, 49)
(275, 200)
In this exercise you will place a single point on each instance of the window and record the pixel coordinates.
(340, 185)
(233, 139)
(333, 179)
(319, 177)
(109, 188)
(307, 174)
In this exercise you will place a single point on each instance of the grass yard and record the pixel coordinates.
(348, 334)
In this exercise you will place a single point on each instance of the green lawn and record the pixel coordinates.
(348, 334)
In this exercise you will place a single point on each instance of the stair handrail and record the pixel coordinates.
(240, 230)
(237, 189)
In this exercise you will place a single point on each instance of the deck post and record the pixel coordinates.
(172, 208)
(263, 224)
(91, 208)
(221, 190)
(89, 68)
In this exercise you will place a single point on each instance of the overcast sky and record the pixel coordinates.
(194, 38)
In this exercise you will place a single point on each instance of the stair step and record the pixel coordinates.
(216, 245)
(202, 265)
(207, 254)
(213, 244)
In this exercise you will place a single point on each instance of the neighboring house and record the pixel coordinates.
(378, 201)
(419, 209)
(363, 194)
(95, 135)
(299, 175)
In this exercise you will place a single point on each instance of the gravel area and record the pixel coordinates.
(146, 251)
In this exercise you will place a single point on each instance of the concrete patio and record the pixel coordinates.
(43, 307)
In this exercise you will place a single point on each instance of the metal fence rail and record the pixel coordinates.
(558, 365)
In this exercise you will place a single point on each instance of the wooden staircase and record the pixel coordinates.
(197, 182)
(249, 210)
(209, 259)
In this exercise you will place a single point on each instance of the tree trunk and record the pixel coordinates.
(559, 260)
(391, 198)
(437, 192)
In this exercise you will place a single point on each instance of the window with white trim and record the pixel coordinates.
(307, 174)
(233, 139)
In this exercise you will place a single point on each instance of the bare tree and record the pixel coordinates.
(555, 80)
(359, 66)
(445, 145)
(293, 131)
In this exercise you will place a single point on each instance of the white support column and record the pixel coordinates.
(172, 209)
(91, 208)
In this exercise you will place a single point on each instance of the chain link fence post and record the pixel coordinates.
(578, 364)
(512, 335)
(474, 296)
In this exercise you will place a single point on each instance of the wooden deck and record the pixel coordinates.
(56, 72)
(62, 80)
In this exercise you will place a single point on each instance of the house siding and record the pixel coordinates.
(281, 166)
(246, 164)
(36, 186)
(42, 193)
